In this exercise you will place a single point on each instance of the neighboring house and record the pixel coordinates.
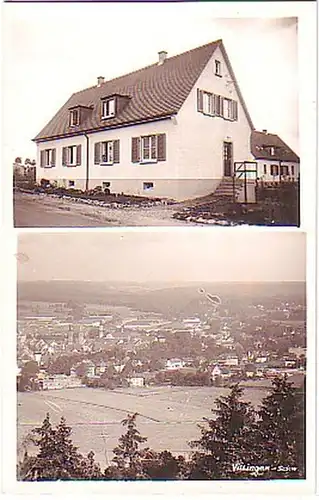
(136, 381)
(174, 364)
(172, 129)
(276, 160)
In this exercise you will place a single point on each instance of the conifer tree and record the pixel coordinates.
(226, 441)
(281, 430)
(57, 457)
(128, 457)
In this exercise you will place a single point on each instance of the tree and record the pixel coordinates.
(57, 457)
(29, 372)
(128, 457)
(227, 442)
(281, 427)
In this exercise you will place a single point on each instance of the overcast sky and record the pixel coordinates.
(172, 256)
(53, 50)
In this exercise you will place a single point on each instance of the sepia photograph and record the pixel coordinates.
(191, 120)
(136, 364)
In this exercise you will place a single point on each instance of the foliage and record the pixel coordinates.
(226, 441)
(280, 437)
(57, 457)
(128, 455)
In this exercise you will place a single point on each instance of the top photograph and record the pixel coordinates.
(166, 117)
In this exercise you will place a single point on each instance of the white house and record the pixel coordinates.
(172, 129)
(276, 161)
(174, 364)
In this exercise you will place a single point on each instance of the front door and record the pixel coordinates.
(228, 159)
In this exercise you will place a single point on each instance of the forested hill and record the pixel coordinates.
(161, 297)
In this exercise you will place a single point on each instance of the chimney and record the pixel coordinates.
(265, 131)
(162, 56)
(100, 80)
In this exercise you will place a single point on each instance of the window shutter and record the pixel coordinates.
(200, 103)
(161, 147)
(42, 158)
(53, 158)
(136, 150)
(78, 154)
(218, 106)
(235, 110)
(64, 156)
(116, 151)
(97, 153)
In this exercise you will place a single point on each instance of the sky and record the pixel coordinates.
(53, 50)
(170, 256)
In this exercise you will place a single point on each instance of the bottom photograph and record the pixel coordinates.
(161, 355)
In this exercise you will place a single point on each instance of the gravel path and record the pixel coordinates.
(33, 210)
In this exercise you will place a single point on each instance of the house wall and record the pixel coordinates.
(267, 177)
(194, 149)
(200, 137)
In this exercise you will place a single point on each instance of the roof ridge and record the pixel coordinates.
(148, 66)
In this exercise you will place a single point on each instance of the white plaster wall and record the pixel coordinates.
(200, 137)
(60, 172)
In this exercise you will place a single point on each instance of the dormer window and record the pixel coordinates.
(74, 117)
(108, 108)
(218, 68)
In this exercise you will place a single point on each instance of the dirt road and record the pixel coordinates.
(31, 210)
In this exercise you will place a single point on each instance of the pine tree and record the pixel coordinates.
(281, 430)
(226, 441)
(57, 457)
(128, 457)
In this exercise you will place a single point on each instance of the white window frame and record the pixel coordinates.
(227, 110)
(71, 155)
(108, 108)
(73, 122)
(208, 101)
(107, 152)
(218, 67)
(149, 143)
(48, 158)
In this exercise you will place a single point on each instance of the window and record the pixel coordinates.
(71, 183)
(218, 68)
(47, 158)
(274, 170)
(228, 109)
(107, 152)
(216, 105)
(74, 117)
(292, 170)
(108, 108)
(265, 169)
(148, 186)
(71, 156)
(149, 148)
(272, 151)
(284, 170)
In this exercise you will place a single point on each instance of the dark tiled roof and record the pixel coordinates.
(261, 143)
(155, 92)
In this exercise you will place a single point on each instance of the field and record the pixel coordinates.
(168, 416)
